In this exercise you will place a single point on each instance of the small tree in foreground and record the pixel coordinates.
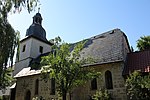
(66, 67)
(138, 86)
(101, 94)
(38, 98)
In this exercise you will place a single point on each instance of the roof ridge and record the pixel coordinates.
(148, 50)
(104, 33)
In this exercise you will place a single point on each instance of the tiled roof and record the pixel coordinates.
(27, 72)
(106, 47)
(37, 60)
(137, 61)
(103, 48)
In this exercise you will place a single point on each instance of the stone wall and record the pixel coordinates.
(118, 92)
(25, 84)
(83, 92)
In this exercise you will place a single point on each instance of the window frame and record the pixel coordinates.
(41, 49)
(36, 87)
(108, 80)
(53, 88)
(94, 84)
(23, 48)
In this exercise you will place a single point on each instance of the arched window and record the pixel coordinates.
(108, 80)
(94, 84)
(53, 86)
(36, 87)
(28, 95)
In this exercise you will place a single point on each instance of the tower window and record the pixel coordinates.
(24, 47)
(94, 84)
(36, 20)
(36, 87)
(41, 49)
(53, 86)
(108, 80)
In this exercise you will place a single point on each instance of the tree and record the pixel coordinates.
(9, 5)
(65, 67)
(143, 43)
(138, 86)
(9, 40)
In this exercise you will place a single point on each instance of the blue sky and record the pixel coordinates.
(75, 20)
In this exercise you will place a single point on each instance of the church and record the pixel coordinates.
(110, 51)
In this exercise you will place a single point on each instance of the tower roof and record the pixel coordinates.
(36, 28)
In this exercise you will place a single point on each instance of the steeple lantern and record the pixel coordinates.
(37, 19)
(36, 28)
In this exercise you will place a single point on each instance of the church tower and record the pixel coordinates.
(33, 45)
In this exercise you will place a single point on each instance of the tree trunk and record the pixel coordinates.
(1, 70)
(64, 95)
(70, 95)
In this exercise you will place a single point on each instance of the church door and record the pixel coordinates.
(28, 95)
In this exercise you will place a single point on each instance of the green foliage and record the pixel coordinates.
(101, 94)
(66, 67)
(138, 86)
(1, 97)
(9, 40)
(17, 5)
(7, 79)
(143, 43)
(38, 98)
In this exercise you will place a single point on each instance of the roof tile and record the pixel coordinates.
(137, 61)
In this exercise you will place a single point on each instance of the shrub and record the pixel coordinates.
(101, 94)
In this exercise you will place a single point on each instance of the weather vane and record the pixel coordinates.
(39, 8)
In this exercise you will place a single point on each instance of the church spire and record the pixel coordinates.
(37, 18)
(36, 28)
